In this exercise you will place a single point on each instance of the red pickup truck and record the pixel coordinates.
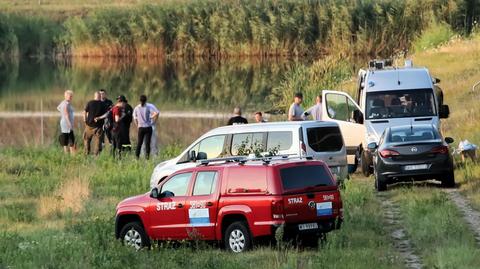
(234, 203)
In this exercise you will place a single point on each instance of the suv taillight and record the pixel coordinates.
(277, 209)
(440, 150)
(387, 153)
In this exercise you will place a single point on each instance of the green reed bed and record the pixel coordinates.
(231, 28)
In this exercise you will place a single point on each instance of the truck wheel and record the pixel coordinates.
(133, 235)
(380, 182)
(365, 162)
(448, 180)
(237, 237)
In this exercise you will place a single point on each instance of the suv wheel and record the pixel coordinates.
(237, 237)
(133, 235)
(366, 170)
(380, 182)
(448, 180)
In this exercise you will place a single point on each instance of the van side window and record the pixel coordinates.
(282, 140)
(322, 139)
(205, 183)
(178, 184)
(248, 139)
(212, 146)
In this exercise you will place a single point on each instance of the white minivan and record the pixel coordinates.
(320, 140)
(386, 96)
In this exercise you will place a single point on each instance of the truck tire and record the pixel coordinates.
(366, 163)
(237, 237)
(133, 235)
(448, 180)
(380, 182)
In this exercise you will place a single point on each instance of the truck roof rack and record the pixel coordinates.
(243, 159)
(378, 64)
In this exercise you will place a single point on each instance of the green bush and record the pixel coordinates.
(435, 35)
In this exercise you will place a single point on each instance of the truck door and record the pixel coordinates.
(168, 215)
(340, 108)
(202, 206)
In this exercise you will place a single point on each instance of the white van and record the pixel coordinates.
(321, 140)
(386, 96)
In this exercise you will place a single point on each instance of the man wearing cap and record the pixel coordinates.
(295, 112)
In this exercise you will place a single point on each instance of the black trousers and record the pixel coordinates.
(144, 134)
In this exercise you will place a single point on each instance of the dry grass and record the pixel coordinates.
(69, 198)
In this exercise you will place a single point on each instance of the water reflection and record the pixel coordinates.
(171, 85)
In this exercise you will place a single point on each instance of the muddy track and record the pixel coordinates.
(471, 216)
(401, 241)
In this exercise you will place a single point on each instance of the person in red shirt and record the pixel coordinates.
(118, 113)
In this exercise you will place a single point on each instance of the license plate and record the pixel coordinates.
(415, 167)
(307, 226)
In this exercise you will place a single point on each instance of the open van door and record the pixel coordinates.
(342, 109)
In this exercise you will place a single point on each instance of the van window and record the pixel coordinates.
(205, 183)
(300, 177)
(282, 140)
(337, 106)
(248, 139)
(322, 139)
(400, 104)
(212, 146)
(178, 184)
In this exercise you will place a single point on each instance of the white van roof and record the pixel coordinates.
(398, 79)
(269, 126)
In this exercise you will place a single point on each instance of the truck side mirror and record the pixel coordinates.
(166, 194)
(449, 140)
(201, 156)
(154, 193)
(444, 112)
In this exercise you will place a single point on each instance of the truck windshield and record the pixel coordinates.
(299, 177)
(400, 104)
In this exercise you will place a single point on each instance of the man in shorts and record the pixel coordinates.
(67, 138)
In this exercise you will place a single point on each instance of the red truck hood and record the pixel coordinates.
(139, 200)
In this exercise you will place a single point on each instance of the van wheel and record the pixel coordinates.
(448, 181)
(380, 182)
(133, 235)
(365, 162)
(237, 237)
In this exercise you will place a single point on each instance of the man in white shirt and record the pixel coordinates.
(153, 142)
(316, 110)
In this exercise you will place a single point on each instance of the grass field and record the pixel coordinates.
(57, 211)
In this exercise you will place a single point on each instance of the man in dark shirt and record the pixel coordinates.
(93, 129)
(108, 105)
(237, 119)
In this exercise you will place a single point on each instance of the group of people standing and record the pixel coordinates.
(295, 112)
(105, 119)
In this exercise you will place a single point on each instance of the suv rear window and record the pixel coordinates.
(299, 177)
(325, 139)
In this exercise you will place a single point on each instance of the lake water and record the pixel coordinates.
(198, 95)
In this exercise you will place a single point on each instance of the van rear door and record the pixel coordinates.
(342, 109)
(309, 193)
(325, 143)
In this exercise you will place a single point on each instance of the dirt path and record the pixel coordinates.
(471, 216)
(398, 233)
